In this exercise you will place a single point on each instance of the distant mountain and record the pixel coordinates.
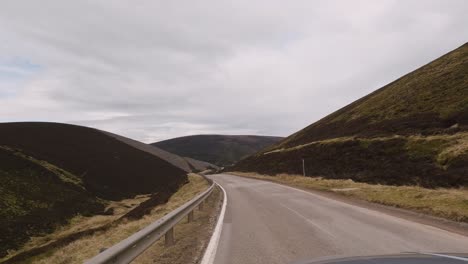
(50, 172)
(221, 150)
(411, 131)
(185, 163)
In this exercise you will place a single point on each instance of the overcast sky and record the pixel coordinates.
(153, 70)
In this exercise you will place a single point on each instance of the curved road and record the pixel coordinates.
(271, 223)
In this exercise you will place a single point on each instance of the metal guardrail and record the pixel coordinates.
(128, 249)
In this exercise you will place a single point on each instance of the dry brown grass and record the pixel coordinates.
(442, 202)
(457, 144)
(88, 246)
(80, 223)
(191, 239)
(459, 148)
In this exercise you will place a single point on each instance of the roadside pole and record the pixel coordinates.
(303, 167)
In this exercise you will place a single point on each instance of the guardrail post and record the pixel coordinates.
(200, 206)
(190, 217)
(169, 237)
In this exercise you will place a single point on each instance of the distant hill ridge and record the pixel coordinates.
(185, 163)
(411, 131)
(221, 150)
(427, 100)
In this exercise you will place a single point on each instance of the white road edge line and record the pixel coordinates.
(210, 252)
(446, 256)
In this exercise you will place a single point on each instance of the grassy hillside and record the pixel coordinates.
(36, 196)
(411, 131)
(108, 167)
(431, 99)
(220, 150)
(52, 172)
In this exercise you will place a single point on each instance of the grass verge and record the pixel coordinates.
(88, 246)
(447, 203)
(81, 223)
(190, 239)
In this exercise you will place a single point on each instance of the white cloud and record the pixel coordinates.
(158, 69)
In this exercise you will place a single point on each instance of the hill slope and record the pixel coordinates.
(427, 100)
(108, 167)
(221, 150)
(36, 196)
(51, 172)
(411, 131)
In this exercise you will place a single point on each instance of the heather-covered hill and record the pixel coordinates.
(429, 100)
(108, 167)
(52, 172)
(411, 131)
(221, 150)
(36, 196)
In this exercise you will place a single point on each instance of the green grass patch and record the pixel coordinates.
(34, 200)
(64, 175)
(419, 148)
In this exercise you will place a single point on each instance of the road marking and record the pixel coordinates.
(308, 220)
(210, 252)
(446, 256)
(374, 212)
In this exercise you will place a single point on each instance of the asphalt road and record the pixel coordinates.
(271, 223)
